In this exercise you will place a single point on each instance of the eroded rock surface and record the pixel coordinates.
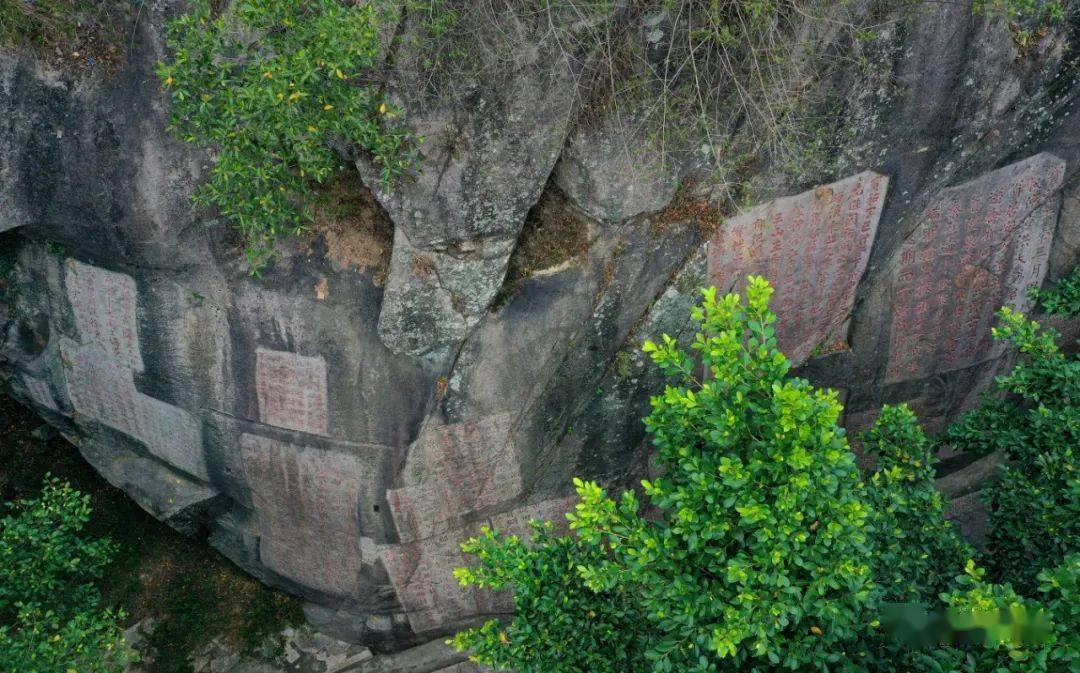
(336, 432)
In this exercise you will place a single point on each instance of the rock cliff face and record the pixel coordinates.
(339, 424)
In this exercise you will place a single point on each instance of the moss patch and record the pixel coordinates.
(193, 593)
(554, 233)
(358, 232)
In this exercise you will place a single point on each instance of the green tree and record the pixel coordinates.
(270, 84)
(916, 551)
(1034, 421)
(1061, 589)
(1064, 298)
(51, 617)
(560, 625)
(758, 556)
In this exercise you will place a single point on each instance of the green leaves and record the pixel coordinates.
(1035, 422)
(561, 624)
(271, 85)
(50, 613)
(764, 550)
(755, 555)
(1063, 299)
(916, 551)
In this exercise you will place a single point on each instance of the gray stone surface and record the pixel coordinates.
(401, 413)
(970, 512)
(422, 571)
(611, 172)
(455, 224)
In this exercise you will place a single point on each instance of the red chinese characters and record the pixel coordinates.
(307, 501)
(978, 247)
(291, 390)
(813, 248)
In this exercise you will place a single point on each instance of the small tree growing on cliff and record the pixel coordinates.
(917, 552)
(759, 555)
(1033, 420)
(269, 84)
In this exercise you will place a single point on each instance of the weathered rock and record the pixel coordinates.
(970, 512)
(611, 173)
(483, 165)
(979, 246)
(970, 478)
(336, 433)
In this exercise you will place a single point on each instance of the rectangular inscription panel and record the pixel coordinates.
(291, 390)
(99, 387)
(307, 501)
(103, 303)
(172, 434)
(103, 390)
(454, 470)
(813, 248)
(977, 247)
(423, 572)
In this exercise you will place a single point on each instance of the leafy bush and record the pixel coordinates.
(270, 84)
(51, 618)
(758, 558)
(1063, 299)
(1035, 504)
(763, 550)
(1061, 587)
(916, 551)
(561, 626)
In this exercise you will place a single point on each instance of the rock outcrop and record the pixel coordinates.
(336, 429)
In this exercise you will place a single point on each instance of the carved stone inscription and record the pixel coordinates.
(103, 304)
(307, 501)
(102, 390)
(978, 246)
(813, 248)
(291, 390)
(452, 471)
(422, 572)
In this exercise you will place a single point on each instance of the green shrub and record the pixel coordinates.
(560, 626)
(1063, 299)
(1000, 644)
(51, 618)
(1035, 423)
(1061, 588)
(271, 84)
(759, 556)
(764, 551)
(916, 551)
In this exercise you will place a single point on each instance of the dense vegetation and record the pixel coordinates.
(271, 84)
(764, 549)
(54, 23)
(51, 613)
(1064, 299)
(281, 90)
